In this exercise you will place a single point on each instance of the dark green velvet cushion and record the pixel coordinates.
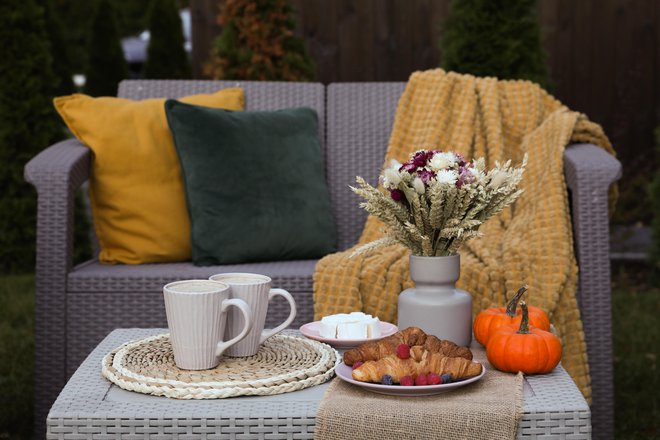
(255, 183)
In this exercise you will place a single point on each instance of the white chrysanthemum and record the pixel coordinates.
(442, 161)
(446, 177)
(418, 185)
(392, 176)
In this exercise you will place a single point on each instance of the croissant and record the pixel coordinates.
(413, 336)
(420, 362)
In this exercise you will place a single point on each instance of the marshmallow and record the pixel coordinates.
(355, 325)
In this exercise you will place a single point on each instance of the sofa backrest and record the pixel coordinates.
(359, 122)
(355, 121)
(259, 95)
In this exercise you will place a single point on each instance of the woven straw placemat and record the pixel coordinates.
(284, 363)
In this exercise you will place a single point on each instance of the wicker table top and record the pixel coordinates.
(90, 407)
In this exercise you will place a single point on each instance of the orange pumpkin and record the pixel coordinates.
(489, 320)
(528, 349)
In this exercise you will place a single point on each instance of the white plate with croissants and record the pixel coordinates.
(409, 363)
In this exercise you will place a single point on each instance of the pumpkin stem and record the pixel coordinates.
(513, 304)
(524, 323)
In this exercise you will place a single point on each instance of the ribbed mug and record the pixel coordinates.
(255, 290)
(197, 313)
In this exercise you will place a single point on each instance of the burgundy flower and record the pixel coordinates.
(409, 167)
(425, 175)
(396, 194)
(421, 157)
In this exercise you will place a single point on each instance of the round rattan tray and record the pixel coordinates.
(284, 363)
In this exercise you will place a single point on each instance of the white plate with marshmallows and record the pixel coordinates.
(348, 330)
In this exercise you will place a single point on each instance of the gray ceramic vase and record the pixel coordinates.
(435, 304)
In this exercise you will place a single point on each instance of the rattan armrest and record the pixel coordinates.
(56, 173)
(587, 162)
(589, 172)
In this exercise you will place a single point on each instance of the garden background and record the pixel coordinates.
(600, 57)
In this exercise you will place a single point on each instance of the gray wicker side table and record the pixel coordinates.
(89, 407)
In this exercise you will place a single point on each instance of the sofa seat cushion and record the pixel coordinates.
(293, 275)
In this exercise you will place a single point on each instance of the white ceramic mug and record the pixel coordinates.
(255, 290)
(197, 312)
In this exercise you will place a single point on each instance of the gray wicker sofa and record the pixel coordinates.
(77, 306)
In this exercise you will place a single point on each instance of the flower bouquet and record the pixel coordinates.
(437, 200)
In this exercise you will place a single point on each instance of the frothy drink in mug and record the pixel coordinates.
(197, 312)
(256, 291)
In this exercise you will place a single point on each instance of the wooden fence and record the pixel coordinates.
(603, 55)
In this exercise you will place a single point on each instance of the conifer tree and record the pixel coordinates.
(28, 124)
(62, 65)
(166, 55)
(498, 38)
(107, 65)
(258, 43)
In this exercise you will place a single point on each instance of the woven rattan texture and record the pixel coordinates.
(76, 308)
(360, 117)
(589, 175)
(553, 408)
(259, 95)
(283, 364)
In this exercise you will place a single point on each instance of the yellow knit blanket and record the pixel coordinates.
(528, 243)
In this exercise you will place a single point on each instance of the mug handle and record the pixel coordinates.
(247, 316)
(281, 292)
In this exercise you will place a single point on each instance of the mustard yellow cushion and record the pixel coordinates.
(136, 188)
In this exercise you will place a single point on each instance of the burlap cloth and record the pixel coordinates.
(490, 408)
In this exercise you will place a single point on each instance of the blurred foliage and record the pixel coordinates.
(16, 356)
(655, 222)
(634, 205)
(131, 17)
(107, 65)
(258, 43)
(166, 55)
(28, 124)
(59, 49)
(636, 334)
(500, 38)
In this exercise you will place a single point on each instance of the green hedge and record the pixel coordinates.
(494, 38)
(107, 65)
(166, 56)
(28, 124)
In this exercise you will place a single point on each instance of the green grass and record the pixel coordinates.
(636, 308)
(636, 329)
(16, 355)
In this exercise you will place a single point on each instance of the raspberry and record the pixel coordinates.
(446, 378)
(421, 380)
(433, 379)
(403, 351)
(386, 379)
(357, 365)
(407, 381)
